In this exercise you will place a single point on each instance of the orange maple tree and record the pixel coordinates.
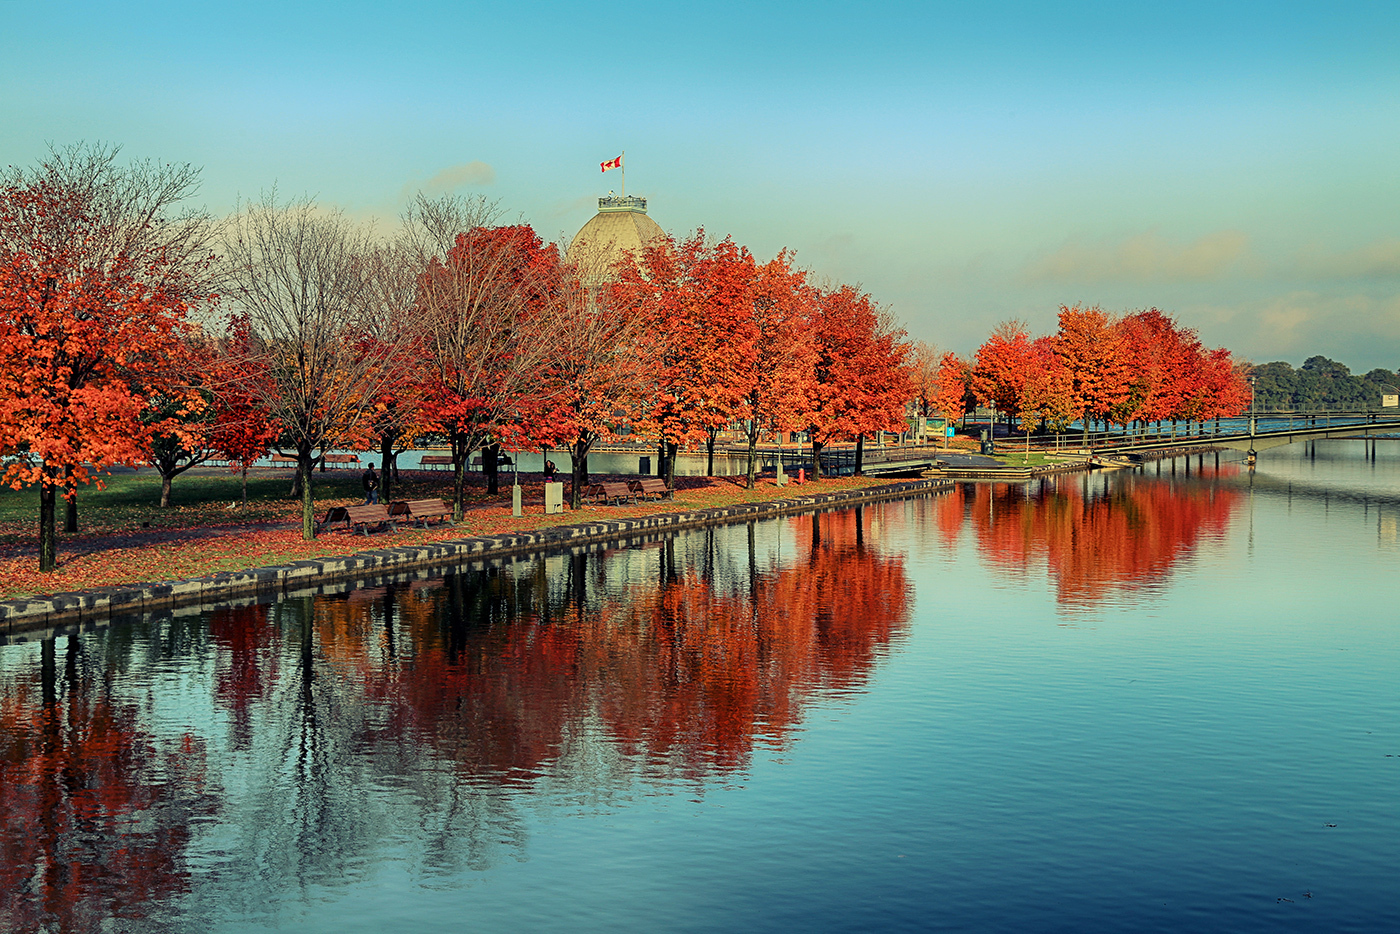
(701, 340)
(860, 383)
(1092, 354)
(92, 309)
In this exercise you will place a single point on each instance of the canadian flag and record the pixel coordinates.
(612, 164)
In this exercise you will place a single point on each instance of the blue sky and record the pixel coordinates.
(1231, 164)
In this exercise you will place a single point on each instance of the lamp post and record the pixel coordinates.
(1252, 423)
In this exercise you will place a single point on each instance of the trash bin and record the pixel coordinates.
(988, 447)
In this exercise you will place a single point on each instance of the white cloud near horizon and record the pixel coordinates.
(1362, 331)
(1378, 259)
(1145, 257)
(475, 173)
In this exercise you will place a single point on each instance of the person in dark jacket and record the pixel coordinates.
(370, 481)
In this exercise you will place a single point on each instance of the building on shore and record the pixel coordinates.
(621, 225)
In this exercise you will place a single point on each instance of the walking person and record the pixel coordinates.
(370, 481)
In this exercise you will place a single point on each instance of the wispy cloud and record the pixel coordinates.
(1380, 259)
(1360, 330)
(1145, 257)
(476, 174)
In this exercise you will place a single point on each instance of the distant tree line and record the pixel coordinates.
(1134, 369)
(1320, 383)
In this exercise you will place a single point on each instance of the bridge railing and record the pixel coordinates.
(1200, 431)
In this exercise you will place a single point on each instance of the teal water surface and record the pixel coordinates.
(1159, 700)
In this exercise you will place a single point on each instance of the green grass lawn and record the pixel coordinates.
(1019, 459)
(130, 501)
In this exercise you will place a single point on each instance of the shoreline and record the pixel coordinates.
(44, 616)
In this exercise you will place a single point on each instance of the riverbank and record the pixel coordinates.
(324, 562)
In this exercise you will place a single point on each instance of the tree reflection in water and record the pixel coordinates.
(1096, 537)
(414, 722)
(96, 812)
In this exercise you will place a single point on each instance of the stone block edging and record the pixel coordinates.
(31, 613)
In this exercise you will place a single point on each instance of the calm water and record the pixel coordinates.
(1117, 702)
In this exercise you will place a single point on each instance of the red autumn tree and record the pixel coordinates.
(1092, 354)
(1000, 366)
(923, 376)
(1224, 392)
(779, 374)
(242, 431)
(488, 304)
(859, 382)
(1177, 358)
(180, 415)
(96, 277)
(1045, 393)
(596, 378)
(952, 396)
(698, 299)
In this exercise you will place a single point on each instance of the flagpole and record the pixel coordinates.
(623, 166)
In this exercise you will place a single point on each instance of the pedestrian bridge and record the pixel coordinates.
(1359, 426)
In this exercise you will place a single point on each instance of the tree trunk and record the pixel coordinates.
(48, 533)
(578, 471)
(753, 456)
(308, 505)
(245, 487)
(459, 478)
(670, 462)
(816, 459)
(386, 478)
(164, 490)
(860, 455)
(70, 499)
(710, 452)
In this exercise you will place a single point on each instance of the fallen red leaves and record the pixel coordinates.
(143, 557)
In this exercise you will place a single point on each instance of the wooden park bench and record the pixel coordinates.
(647, 487)
(332, 460)
(362, 517)
(421, 511)
(333, 515)
(283, 460)
(610, 493)
(434, 461)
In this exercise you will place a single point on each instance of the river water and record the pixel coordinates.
(1161, 700)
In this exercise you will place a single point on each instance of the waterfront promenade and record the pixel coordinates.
(122, 575)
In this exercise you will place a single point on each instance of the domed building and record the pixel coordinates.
(620, 225)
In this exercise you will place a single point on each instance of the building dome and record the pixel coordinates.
(620, 225)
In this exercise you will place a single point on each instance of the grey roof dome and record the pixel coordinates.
(621, 224)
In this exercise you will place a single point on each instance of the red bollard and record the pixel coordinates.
(801, 475)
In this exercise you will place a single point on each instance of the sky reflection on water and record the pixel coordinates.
(1117, 702)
